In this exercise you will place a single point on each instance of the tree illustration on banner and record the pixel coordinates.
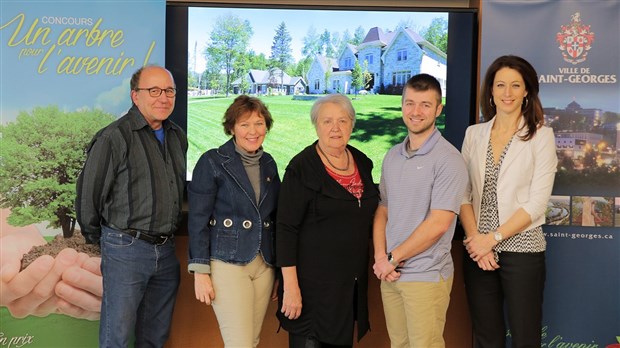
(41, 155)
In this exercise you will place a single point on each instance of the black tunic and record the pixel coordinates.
(325, 231)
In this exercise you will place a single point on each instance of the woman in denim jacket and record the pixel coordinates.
(232, 205)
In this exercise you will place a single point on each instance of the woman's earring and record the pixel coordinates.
(491, 102)
(525, 103)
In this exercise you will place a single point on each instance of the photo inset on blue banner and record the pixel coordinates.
(592, 211)
(558, 211)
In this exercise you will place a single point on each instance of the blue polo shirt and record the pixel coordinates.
(434, 177)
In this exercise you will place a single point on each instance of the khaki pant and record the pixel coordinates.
(242, 295)
(415, 312)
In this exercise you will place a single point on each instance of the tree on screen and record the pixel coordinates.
(336, 42)
(241, 67)
(228, 41)
(258, 61)
(214, 80)
(41, 155)
(281, 51)
(437, 34)
(193, 80)
(325, 44)
(360, 76)
(241, 73)
(343, 42)
(358, 36)
(311, 43)
(357, 76)
(301, 68)
(326, 76)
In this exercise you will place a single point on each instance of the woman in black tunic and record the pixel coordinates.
(325, 213)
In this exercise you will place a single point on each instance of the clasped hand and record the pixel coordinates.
(384, 270)
(480, 250)
(71, 283)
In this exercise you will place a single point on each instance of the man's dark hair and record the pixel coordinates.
(421, 83)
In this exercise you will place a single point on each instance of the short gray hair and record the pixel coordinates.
(337, 99)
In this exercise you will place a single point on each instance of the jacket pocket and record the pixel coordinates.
(117, 239)
(226, 243)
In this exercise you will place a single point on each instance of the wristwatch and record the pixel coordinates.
(498, 236)
(391, 259)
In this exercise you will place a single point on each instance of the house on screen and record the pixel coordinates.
(270, 81)
(391, 58)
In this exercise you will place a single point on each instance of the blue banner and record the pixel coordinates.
(575, 49)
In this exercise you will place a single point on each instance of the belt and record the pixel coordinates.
(157, 240)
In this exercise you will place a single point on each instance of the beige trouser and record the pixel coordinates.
(242, 294)
(415, 312)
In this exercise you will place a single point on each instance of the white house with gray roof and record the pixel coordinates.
(393, 57)
(261, 80)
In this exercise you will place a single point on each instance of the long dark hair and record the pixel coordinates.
(531, 108)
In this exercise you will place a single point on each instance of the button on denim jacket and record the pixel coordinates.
(225, 222)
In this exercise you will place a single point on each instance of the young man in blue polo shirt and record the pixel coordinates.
(423, 180)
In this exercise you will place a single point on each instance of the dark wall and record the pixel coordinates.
(176, 59)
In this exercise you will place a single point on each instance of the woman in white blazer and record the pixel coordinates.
(511, 161)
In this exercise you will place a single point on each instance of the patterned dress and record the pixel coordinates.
(529, 241)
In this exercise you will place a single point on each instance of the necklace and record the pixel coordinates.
(330, 162)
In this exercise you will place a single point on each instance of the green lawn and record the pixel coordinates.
(378, 127)
(53, 331)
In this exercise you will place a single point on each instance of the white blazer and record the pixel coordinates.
(525, 177)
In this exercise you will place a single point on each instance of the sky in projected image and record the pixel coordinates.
(264, 23)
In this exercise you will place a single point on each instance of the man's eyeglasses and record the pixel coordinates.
(156, 91)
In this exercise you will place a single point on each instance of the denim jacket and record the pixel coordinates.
(225, 223)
